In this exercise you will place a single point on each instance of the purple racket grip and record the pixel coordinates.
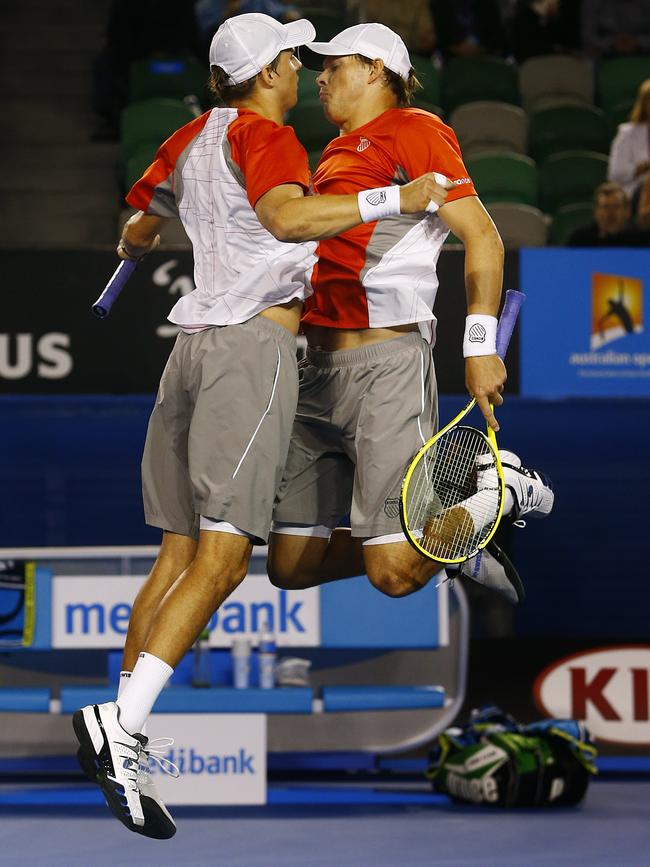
(508, 319)
(102, 307)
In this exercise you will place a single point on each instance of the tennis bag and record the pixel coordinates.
(495, 760)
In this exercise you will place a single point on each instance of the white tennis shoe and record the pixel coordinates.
(120, 759)
(532, 491)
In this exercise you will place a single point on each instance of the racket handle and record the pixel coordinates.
(102, 307)
(508, 319)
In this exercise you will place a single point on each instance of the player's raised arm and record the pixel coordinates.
(291, 216)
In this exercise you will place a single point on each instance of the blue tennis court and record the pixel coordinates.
(42, 827)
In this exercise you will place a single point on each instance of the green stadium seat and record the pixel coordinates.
(570, 177)
(174, 78)
(519, 225)
(500, 176)
(548, 79)
(429, 77)
(618, 80)
(310, 124)
(567, 219)
(470, 79)
(152, 120)
(619, 113)
(482, 126)
(568, 127)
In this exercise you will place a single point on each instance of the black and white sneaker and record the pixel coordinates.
(118, 756)
(492, 568)
(532, 491)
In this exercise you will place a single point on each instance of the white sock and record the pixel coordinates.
(475, 505)
(141, 691)
(122, 682)
(124, 679)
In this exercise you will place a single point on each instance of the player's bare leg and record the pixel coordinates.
(219, 566)
(397, 569)
(175, 555)
(299, 562)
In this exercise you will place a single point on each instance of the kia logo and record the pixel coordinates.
(607, 688)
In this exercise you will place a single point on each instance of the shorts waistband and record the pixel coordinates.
(258, 323)
(279, 331)
(363, 354)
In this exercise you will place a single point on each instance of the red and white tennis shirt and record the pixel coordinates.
(382, 274)
(211, 173)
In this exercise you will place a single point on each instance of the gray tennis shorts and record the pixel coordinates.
(362, 415)
(219, 433)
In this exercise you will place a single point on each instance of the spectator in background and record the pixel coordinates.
(615, 28)
(466, 28)
(545, 27)
(629, 158)
(411, 20)
(611, 226)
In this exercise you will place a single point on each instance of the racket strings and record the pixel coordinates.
(447, 510)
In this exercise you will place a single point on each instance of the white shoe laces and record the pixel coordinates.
(155, 751)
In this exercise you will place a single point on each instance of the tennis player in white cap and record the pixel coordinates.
(219, 432)
(368, 398)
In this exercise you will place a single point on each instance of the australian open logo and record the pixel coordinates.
(378, 197)
(616, 308)
(477, 333)
(363, 144)
(391, 507)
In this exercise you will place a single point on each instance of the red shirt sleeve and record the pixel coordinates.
(267, 155)
(425, 144)
(155, 192)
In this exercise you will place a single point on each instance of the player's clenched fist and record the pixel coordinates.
(426, 193)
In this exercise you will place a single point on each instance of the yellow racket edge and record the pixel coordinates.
(492, 441)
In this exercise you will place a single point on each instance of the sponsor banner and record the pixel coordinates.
(607, 688)
(57, 346)
(584, 325)
(94, 611)
(221, 758)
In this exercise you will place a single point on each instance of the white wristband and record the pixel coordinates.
(378, 203)
(480, 335)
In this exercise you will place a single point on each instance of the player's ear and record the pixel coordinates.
(376, 70)
(267, 76)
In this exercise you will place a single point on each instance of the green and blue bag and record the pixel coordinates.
(496, 761)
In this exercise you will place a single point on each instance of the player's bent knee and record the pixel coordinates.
(393, 581)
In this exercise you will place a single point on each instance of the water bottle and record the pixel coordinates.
(267, 657)
(201, 674)
(240, 653)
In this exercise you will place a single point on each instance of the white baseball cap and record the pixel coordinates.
(374, 41)
(245, 44)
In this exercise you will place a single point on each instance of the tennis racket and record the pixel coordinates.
(451, 500)
(102, 307)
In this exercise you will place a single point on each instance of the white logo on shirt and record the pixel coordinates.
(363, 144)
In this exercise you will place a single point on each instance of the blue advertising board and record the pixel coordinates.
(583, 328)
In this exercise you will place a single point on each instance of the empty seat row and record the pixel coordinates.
(537, 82)
(562, 179)
(526, 226)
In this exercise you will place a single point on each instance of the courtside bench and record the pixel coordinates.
(387, 674)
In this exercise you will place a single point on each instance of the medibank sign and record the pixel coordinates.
(94, 611)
